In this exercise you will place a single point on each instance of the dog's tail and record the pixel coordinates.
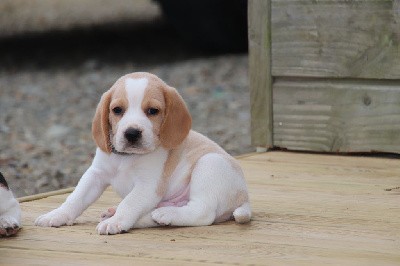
(243, 213)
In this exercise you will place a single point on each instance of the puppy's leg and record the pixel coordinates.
(10, 212)
(141, 200)
(213, 180)
(195, 213)
(145, 221)
(89, 189)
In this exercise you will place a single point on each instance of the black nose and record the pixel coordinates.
(133, 135)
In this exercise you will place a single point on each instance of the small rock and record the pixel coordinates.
(57, 131)
(43, 181)
(55, 183)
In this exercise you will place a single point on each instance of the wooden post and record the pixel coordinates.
(259, 18)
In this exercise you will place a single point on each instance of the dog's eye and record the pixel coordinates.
(152, 111)
(117, 110)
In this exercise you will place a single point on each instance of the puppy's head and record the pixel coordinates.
(139, 113)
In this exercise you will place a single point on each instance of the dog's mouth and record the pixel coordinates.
(130, 150)
(125, 148)
(115, 151)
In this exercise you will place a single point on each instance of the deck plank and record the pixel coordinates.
(308, 209)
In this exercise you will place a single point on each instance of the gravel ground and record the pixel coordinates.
(50, 85)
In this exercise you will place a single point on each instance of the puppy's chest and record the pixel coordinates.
(123, 182)
(130, 173)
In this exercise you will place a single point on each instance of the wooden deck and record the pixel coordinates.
(308, 209)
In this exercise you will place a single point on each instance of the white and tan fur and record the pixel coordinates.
(165, 173)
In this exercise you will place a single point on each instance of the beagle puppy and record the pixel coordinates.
(10, 212)
(165, 173)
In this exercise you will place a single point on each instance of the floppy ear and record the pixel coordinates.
(177, 121)
(101, 124)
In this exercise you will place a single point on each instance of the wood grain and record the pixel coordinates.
(336, 69)
(337, 115)
(333, 38)
(260, 72)
(308, 209)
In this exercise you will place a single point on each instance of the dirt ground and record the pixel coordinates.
(50, 85)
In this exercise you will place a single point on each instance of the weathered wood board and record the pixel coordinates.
(307, 210)
(337, 115)
(334, 75)
(260, 77)
(336, 38)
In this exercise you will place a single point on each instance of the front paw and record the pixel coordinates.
(55, 218)
(8, 226)
(113, 225)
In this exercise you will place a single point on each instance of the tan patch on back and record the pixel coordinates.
(198, 145)
(192, 149)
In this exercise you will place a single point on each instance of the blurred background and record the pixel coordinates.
(58, 56)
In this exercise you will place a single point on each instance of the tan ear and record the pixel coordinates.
(101, 123)
(177, 121)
